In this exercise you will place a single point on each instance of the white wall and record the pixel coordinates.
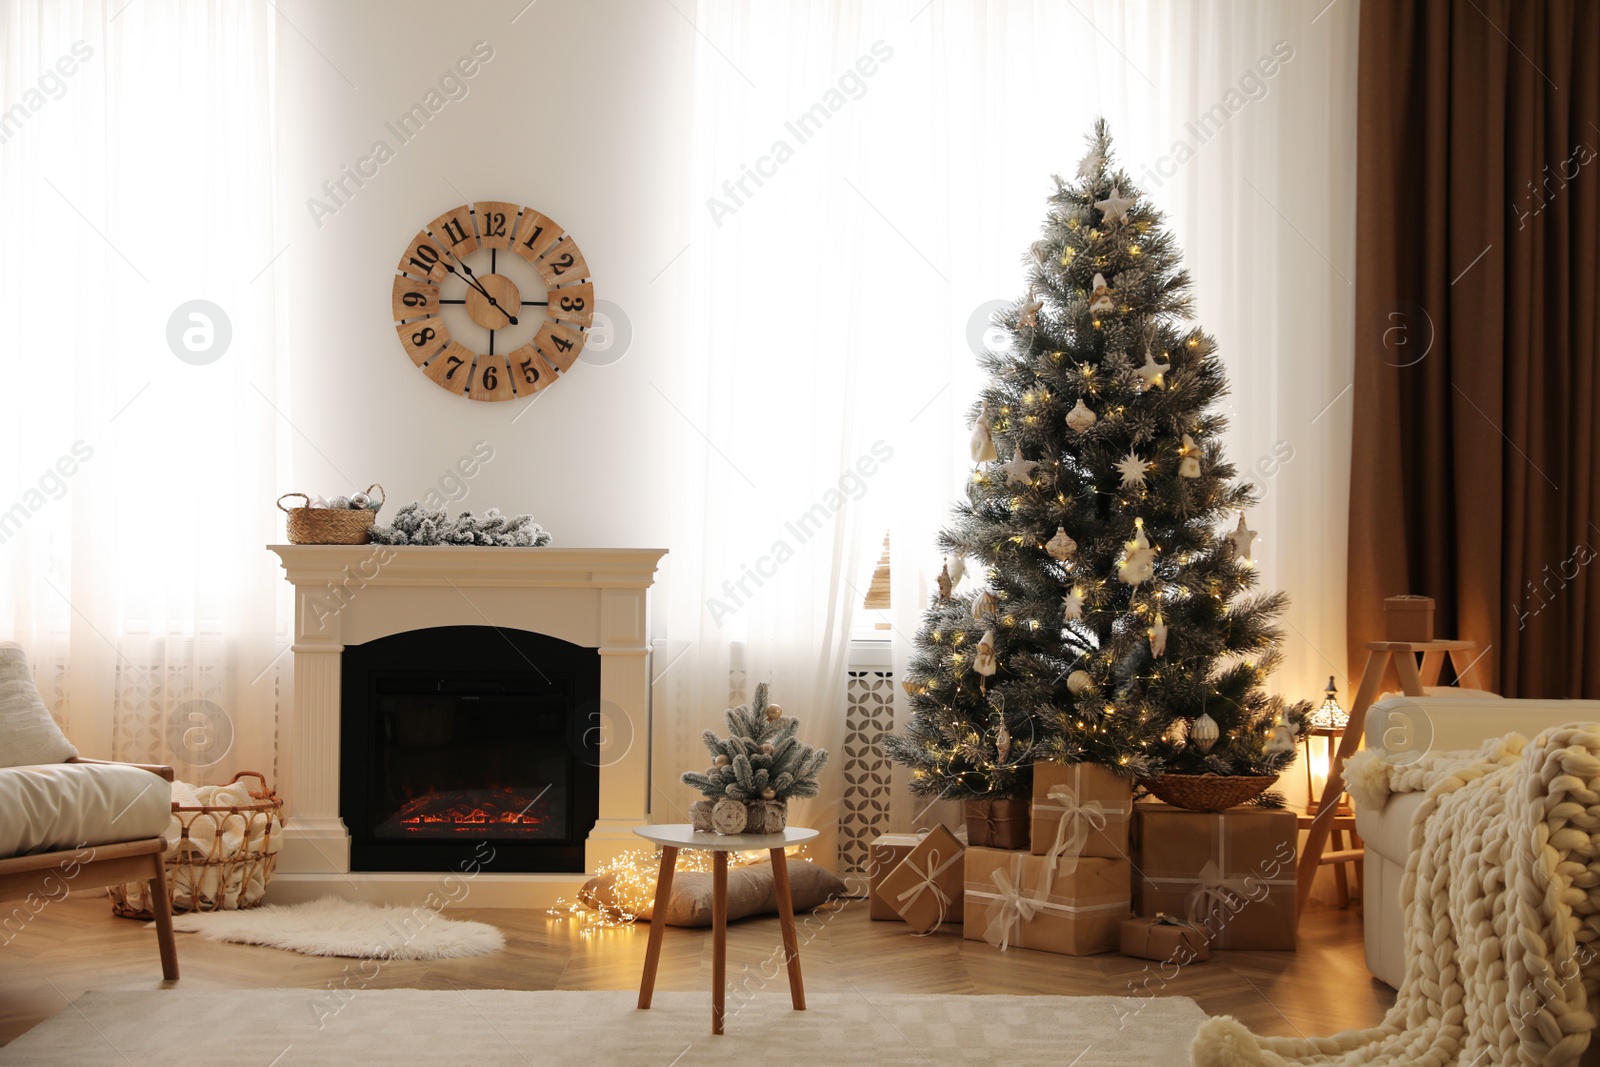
(579, 112)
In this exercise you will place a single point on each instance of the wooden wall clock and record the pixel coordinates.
(493, 301)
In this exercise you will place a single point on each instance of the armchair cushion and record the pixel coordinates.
(57, 806)
(28, 735)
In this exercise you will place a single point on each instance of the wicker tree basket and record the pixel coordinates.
(1209, 792)
(330, 526)
(206, 872)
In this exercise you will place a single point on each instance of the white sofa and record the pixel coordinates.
(1445, 720)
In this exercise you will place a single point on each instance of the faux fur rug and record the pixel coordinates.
(343, 1027)
(1502, 924)
(334, 927)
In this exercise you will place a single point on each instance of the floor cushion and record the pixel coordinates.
(750, 892)
(48, 807)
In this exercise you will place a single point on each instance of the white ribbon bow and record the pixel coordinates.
(1072, 833)
(1215, 893)
(925, 881)
(1010, 911)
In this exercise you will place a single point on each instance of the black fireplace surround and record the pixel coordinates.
(457, 735)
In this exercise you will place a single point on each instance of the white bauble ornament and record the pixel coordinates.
(982, 444)
(1019, 471)
(983, 661)
(1138, 559)
(1189, 458)
(1080, 418)
(983, 605)
(1078, 681)
(1072, 604)
(728, 816)
(359, 500)
(1158, 637)
(957, 568)
(1061, 546)
(1239, 540)
(1204, 733)
(1100, 296)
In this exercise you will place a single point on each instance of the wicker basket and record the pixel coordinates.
(214, 877)
(1209, 792)
(330, 526)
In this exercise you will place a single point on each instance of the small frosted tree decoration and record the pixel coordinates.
(754, 771)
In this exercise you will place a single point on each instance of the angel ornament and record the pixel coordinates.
(983, 661)
(982, 444)
(1138, 559)
(1100, 301)
(1189, 458)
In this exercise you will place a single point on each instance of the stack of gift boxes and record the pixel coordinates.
(1064, 870)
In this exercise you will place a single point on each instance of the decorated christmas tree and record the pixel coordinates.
(1096, 603)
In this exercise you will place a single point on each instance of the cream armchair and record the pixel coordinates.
(1446, 720)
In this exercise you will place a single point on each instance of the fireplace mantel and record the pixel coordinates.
(351, 594)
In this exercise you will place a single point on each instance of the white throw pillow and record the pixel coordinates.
(28, 735)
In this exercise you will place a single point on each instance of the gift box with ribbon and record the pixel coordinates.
(1079, 809)
(997, 822)
(925, 889)
(1166, 938)
(1010, 903)
(886, 852)
(1231, 871)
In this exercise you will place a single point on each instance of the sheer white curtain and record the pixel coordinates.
(136, 177)
(867, 178)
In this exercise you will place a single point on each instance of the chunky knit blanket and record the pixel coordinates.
(1502, 904)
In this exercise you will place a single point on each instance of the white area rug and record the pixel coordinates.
(501, 1028)
(334, 927)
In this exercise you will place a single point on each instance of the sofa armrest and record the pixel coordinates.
(154, 768)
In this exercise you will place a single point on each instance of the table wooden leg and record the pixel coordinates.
(791, 943)
(658, 924)
(719, 937)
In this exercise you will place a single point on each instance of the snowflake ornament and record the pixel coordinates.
(1133, 467)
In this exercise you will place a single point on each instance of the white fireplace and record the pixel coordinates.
(353, 594)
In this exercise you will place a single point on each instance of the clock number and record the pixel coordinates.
(456, 362)
(529, 373)
(422, 336)
(562, 265)
(561, 343)
(425, 258)
(490, 380)
(532, 237)
(572, 303)
(494, 224)
(415, 300)
(455, 231)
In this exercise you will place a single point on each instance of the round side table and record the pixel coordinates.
(673, 836)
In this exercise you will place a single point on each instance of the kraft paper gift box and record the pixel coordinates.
(1165, 938)
(925, 889)
(1074, 914)
(1080, 809)
(1232, 871)
(884, 855)
(997, 822)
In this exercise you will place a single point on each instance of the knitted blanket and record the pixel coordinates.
(1502, 906)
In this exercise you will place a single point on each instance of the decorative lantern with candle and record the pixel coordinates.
(1328, 722)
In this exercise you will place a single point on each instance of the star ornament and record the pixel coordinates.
(1072, 604)
(1090, 165)
(1114, 208)
(1133, 467)
(1019, 471)
(1151, 374)
(1239, 540)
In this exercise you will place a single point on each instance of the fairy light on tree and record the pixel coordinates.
(1113, 524)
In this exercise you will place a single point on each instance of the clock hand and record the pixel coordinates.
(472, 280)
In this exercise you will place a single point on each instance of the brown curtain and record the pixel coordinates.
(1474, 472)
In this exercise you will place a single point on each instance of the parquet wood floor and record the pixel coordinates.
(1324, 987)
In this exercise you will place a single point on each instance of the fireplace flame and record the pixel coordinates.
(471, 809)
